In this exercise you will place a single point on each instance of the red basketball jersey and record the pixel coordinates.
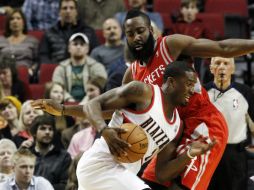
(152, 73)
(199, 110)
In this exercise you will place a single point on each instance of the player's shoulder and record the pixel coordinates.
(139, 85)
(137, 88)
(175, 37)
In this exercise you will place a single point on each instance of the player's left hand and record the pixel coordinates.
(48, 105)
(201, 146)
(116, 145)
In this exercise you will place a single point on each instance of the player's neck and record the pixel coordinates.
(144, 62)
(168, 105)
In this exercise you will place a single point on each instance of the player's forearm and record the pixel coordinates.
(236, 47)
(74, 111)
(172, 168)
(77, 111)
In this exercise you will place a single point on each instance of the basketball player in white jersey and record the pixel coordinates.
(151, 107)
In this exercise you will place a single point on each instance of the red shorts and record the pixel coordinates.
(207, 122)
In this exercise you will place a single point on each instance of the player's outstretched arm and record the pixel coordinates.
(168, 168)
(52, 107)
(181, 44)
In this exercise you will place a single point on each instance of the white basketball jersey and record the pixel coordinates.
(159, 129)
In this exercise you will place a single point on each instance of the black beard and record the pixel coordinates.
(44, 145)
(145, 52)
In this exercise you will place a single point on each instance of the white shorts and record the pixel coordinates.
(97, 170)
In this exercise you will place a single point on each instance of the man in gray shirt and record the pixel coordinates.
(113, 48)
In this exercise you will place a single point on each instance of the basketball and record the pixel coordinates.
(135, 136)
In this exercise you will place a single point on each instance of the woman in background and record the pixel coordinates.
(11, 85)
(27, 115)
(18, 44)
(55, 91)
(9, 109)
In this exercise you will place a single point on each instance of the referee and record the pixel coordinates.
(235, 102)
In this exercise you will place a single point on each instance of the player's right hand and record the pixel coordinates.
(201, 146)
(116, 145)
(49, 106)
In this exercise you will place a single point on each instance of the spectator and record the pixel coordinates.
(93, 88)
(41, 14)
(72, 183)
(55, 91)
(23, 177)
(52, 162)
(83, 139)
(12, 86)
(18, 44)
(54, 44)
(6, 6)
(188, 23)
(115, 74)
(235, 102)
(7, 149)
(4, 133)
(74, 72)
(112, 50)
(10, 108)
(141, 5)
(95, 12)
(26, 117)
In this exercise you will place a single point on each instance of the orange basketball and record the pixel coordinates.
(135, 136)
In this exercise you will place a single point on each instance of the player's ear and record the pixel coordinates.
(211, 68)
(171, 82)
(151, 29)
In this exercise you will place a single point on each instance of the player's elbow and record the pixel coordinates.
(227, 50)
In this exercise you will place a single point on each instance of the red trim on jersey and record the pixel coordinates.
(146, 109)
(173, 119)
(164, 53)
(133, 69)
(168, 51)
(126, 119)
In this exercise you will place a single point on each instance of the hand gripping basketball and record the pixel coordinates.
(137, 138)
(49, 106)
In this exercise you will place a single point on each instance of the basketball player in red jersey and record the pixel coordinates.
(201, 118)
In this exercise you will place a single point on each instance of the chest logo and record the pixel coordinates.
(235, 104)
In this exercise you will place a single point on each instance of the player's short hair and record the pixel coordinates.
(61, 2)
(45, 119)
(177, 69)
(22, 152)
(136, 13)
(185, 3)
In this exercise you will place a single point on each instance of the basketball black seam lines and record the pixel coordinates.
(134, 152)
(130, 134)
(139, 141)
